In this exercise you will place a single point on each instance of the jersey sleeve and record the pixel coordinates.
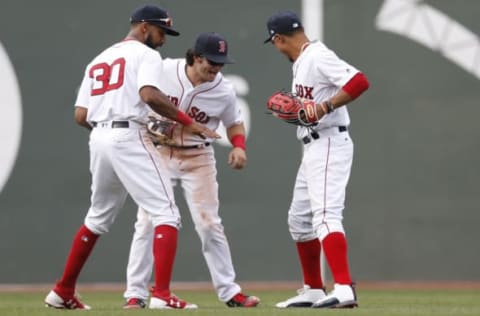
(337, 71)
(232, 114)
(150, 70)
(83, 95)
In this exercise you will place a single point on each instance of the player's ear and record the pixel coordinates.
(144, 27)
(285, 38)
(197, 58)
(280, 38)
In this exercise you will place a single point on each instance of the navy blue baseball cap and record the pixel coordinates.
(282, 22)
(155, 15)
(213, 47)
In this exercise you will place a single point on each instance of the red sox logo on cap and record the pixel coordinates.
(221, 46)
(213, 47)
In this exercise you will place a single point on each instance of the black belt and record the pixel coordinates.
(203, 145)
(115, 124)
(315, 135)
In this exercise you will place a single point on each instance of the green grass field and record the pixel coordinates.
(372, 303)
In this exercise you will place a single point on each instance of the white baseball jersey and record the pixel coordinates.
(123, 159)
(319, 194)
(318, 74)
(208, 103)
(110, 85)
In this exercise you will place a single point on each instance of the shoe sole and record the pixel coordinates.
(53, 306)
(63, 307)
(297, 305)
(168, 307)
(347, 304)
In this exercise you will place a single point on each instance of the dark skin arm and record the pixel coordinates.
(160, 103)
(81, 117)
(338, 100)
(341, 98)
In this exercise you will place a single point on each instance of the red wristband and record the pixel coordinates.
(239, 141)
(183, 118)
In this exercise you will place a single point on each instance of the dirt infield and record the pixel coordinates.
(257, 285)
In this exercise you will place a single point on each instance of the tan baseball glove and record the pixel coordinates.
(161, 130)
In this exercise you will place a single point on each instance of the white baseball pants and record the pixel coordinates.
(124, 160)
(319, 192)
(196, 170)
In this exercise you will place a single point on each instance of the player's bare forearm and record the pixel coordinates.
(349, 92)
(158, 102)
(325, 107)
(238, 129)
(341, 98)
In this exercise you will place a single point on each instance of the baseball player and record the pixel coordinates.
(196, 85)
(112, 103)
(325, 83)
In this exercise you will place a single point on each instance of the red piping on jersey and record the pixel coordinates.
(356, 86)
(158, 171)
(193, 96)
(180, 81)
(325, 189)
(302, 49)
(180, 99)
(179, 102)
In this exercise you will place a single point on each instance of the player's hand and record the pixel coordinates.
(311, 112)
(237, 159)
(201, 130)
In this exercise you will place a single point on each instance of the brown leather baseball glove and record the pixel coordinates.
(161, 130)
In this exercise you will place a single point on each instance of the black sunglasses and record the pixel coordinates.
(212, 63)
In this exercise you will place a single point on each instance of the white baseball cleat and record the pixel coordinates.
(305, 298)
(171, 302)
(342, 296)
(56, 301)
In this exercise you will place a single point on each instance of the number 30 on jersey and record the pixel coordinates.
(107, 77)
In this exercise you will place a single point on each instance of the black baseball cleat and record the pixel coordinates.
(342, 296)
(242, 300)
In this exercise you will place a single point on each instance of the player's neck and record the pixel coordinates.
(299, 45)
(134, 35)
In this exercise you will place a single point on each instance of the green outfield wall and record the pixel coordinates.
(412, 209)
